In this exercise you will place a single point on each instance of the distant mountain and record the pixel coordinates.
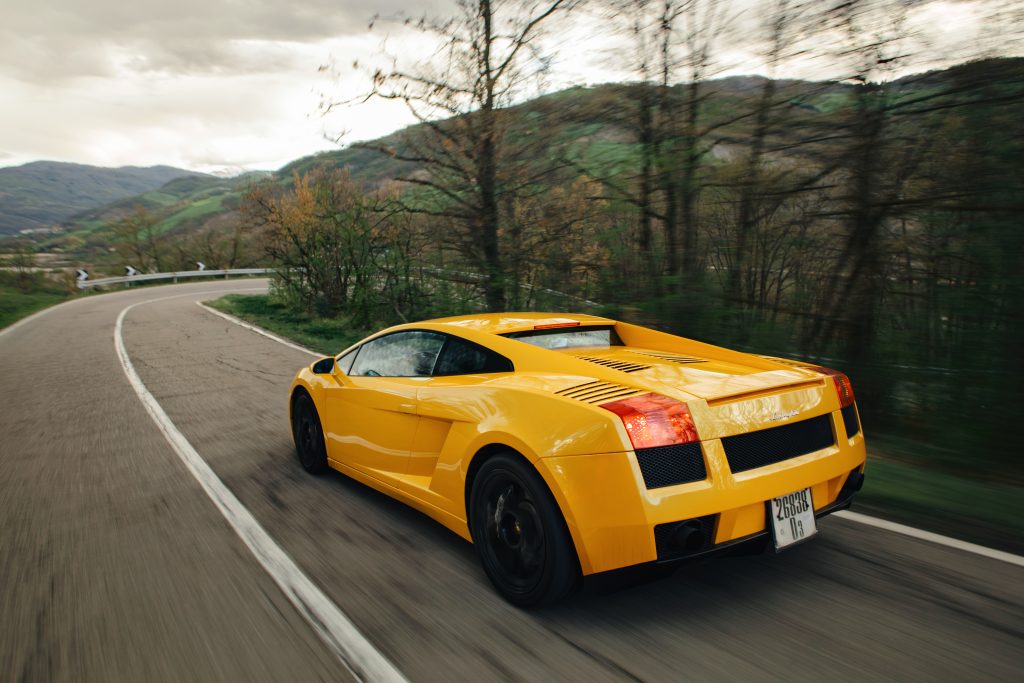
(43, 194)
(184, 207)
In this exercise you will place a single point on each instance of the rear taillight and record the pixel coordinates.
(652, 420)
(843, 387)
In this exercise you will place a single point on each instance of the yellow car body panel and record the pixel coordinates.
(416, 438)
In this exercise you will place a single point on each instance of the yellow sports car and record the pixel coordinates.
(567, 445)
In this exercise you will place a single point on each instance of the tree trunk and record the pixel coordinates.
(494, 287)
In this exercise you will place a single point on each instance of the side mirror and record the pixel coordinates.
(323, 367)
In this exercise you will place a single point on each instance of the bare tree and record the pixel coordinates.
(878, 161)
(780, 26)
(460, 156)
(138, 239)
(701, 24)
(670, 41)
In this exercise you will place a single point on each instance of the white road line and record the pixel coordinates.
(258, 330)
(39, 314)
(361, 658)
(933, 537)
(845, 514)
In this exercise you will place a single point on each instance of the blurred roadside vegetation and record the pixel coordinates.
(24, 289)
(324, 335)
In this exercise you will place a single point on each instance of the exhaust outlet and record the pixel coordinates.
(689, 537)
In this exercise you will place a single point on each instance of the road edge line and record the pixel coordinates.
(931, 536)
(258, 330)
(333, 627)
(856, 517)
(89, 297)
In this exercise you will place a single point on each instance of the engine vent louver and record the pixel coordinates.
(615, 364)
(597, 392)
(672, 358)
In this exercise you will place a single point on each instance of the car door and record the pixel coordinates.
(371, 413)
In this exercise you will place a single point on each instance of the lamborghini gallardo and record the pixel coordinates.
(565, 446)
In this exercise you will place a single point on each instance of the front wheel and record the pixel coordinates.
(518, 530)
(308, 435)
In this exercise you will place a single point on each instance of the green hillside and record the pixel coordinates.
(183, 205)
(42, 194)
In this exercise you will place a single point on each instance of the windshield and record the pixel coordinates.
(569, 338)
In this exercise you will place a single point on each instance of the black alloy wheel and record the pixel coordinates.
(308, 435)
(524, 545)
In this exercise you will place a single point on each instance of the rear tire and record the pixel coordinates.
(308, 435)
(520, 535)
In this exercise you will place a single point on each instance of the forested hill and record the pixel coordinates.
(42, 194)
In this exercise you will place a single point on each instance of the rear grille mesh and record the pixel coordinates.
(670, 465)
(597, 392)
(615, 364)
(768, 446)
(850, 420)
(684, 360)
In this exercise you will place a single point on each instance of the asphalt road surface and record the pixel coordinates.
(116, 565)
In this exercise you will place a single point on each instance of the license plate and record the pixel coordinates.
(792, 518)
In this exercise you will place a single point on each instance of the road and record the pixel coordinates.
(116, 565)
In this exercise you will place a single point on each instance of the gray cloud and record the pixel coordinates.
(66, 39)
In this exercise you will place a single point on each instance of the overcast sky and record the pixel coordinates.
(231, 85)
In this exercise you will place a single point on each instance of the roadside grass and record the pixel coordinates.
(323, 335)
(15, 304)
(977, 511)
(984, 512)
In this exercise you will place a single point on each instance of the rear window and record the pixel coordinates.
(569, 337)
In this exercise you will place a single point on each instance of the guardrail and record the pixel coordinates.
(453, 275)
(175, 276)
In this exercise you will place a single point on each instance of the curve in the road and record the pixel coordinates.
(362, 659)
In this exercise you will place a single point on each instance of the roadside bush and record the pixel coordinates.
(339, 251)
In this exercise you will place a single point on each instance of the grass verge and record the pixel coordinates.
(323, 335)
(981, 512)
(15, 304)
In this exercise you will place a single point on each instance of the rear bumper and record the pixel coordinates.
(756, 544)
(616, 522)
